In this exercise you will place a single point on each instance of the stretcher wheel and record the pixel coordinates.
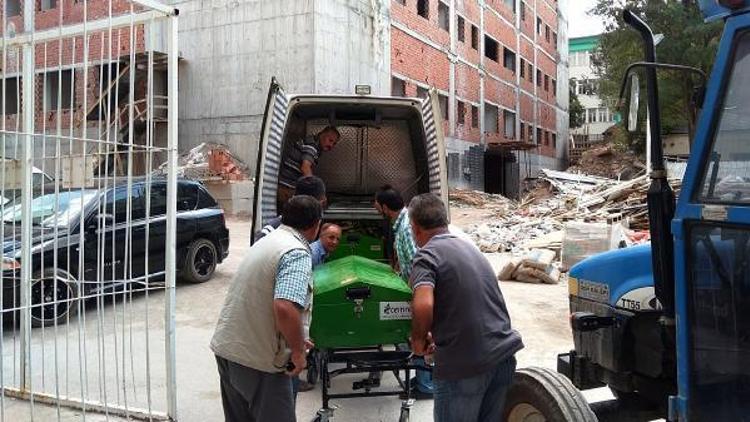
(404, 417)
(313, 367)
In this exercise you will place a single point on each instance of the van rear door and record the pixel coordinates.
(269, 157)
(436, 162)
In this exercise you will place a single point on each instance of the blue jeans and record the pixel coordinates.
(424, 378)
(479, 398)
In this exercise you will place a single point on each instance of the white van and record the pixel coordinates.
(384, 140)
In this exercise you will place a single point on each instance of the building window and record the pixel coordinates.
(511, 4)
(48, 4)
(538, 135)
(538, 78)
(490, 118)
(531, 73)
(509, 119)
(546, 137)
(490, 48)
(509, 59)
(591, 115)
(523, 11)
(423, 8)
(603, 115)
(422, 92)
(474, 116)
(554, 86)
(63, 83)
(546, 33)
(474, 37)
(546, 82)
(523, 131)
(460, 112)
(10, 88)
(554, 140)
(531, 132)
(443, 100)
(539, 26)
(460, 29)
(554, 39)
(398, 87)
(444, 16)
(522, 68)
(13, 8)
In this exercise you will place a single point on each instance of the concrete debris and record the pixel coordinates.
(210, 162)
(570, 215)
(606, 161)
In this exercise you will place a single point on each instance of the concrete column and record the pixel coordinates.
(452, 71)
(482, 74)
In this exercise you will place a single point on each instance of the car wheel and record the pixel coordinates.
(200, 261)
(54, 298)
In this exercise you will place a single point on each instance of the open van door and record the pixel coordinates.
(269, 157)
(436, 161)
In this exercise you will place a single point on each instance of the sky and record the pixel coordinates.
(581, 24)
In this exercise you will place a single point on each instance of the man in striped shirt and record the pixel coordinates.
(300, 158)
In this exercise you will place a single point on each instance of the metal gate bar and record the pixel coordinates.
(31, 348)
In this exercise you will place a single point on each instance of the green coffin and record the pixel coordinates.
(359, 302)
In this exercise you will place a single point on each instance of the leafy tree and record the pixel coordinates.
(576, 114)
(687, 41)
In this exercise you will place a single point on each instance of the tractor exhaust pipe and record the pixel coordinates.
(660, 197)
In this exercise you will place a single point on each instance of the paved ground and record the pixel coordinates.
(539, 312)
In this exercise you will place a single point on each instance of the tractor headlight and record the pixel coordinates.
(572, 286)
(10, 264)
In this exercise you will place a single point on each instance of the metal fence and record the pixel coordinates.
(89, 109)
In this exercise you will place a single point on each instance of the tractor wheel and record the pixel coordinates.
(543, 395)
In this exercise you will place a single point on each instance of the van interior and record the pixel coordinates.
(380, 144)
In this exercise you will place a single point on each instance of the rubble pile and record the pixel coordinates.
(606, 161)
(596, 213)
(210, 162)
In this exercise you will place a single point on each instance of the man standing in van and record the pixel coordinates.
(458, 311)
(260, 329)
(300, 158)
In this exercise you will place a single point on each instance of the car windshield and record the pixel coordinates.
(52, 210)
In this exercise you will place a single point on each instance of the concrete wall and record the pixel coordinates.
(231, 49)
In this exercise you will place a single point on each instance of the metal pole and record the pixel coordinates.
(170, 261)
(26, 193)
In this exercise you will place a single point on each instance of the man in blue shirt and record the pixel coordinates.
(330, 236)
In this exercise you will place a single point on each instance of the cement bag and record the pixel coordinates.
(540, 259)
(583, 240)
(503, 264)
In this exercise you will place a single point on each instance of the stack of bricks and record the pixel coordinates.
(221, 163)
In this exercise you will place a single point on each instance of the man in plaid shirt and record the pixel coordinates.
(390, 204)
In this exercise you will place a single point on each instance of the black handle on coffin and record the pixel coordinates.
(354, 293)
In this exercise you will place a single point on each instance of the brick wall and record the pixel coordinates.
(421, 64)
(68, 53)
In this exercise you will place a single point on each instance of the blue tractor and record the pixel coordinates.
(669, 323)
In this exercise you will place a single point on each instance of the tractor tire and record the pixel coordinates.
(543, 395)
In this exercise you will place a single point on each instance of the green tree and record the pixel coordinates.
(576, 114)
(687, 41)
